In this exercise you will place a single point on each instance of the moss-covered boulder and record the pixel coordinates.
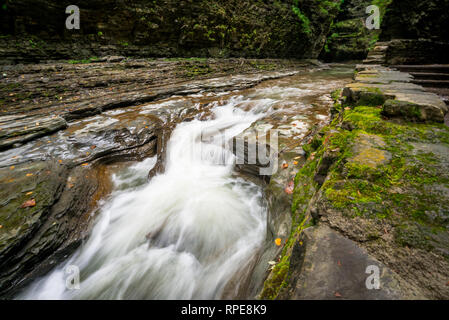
(384, 192)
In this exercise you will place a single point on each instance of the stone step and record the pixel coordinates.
(442, 92)
(379, 50)
(430, 75)
(432, 83)
(376, 56)
(431, 68)
(373, 61)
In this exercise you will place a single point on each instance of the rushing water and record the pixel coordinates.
(189, 231)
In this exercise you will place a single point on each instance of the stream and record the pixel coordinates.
(195, 230)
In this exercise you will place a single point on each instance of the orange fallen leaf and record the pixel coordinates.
(29, 174)
(285, 166)
(278, 241)
(11, 167)
(290, 187)
(85, 164)
(60, 161)
(29, 193)
(1, 226)
(338, 295)
(29, 203)
(295, 163)
(93, 147)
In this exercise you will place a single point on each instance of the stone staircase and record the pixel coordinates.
(433, 77)
(377, 55)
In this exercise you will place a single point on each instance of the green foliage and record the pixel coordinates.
(305, 21)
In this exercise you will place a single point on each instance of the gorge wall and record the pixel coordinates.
(35, 30)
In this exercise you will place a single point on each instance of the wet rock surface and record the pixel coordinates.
(57, 148)
(39, 99)
(381, 194)
(331, 267)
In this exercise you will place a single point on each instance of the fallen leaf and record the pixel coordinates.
(295, 163)
(358, 192)
(284, 165)
(85, 164)
(60, 161)
(11, 167)
(29, 174)
(29, 193)
(1, 226)
(338, 295)
(29, 203)
(271, 263)
(278, 241)
(300, 243)
(93, 147)
(290, 187)
(37, 123)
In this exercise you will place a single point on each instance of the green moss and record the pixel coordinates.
(277, 281)
(83, 61)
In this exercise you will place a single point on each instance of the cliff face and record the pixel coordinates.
(35, 30)
(417, 31)
(349, 39)
(414, 19)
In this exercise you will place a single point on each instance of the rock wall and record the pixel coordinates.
(414, 19)
(35, 30)
(349, 39)
(418, 30)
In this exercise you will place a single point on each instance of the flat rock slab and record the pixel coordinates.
(375, 85)
(334, 267)
(20, 128)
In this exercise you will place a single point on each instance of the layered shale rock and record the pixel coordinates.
(35, 30)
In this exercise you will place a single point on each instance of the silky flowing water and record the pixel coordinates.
(188, 232)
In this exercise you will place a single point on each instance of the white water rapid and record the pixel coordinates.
(183, 235)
